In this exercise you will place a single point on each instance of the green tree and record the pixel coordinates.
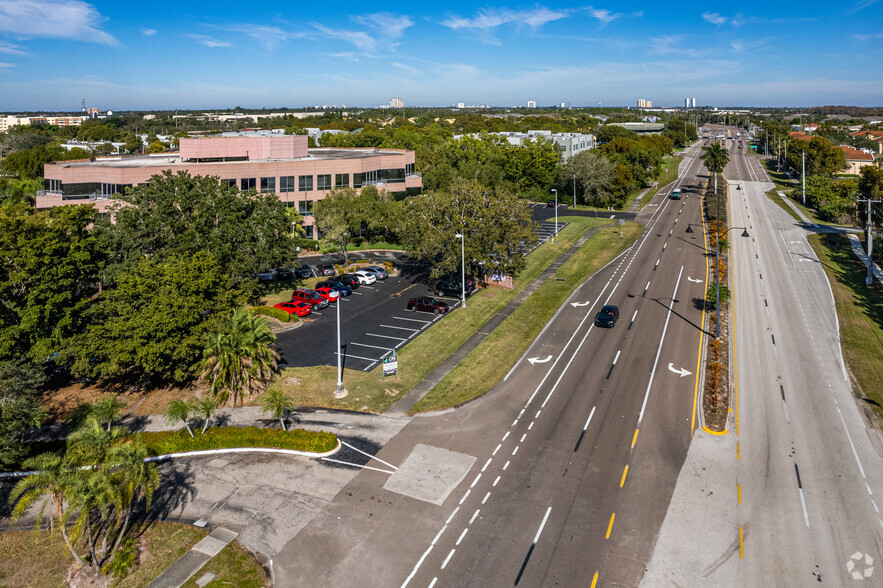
(593, 176)
(108, 409)
(822, 158)
(495, 222)
(151, 324)
(278, 404)
(49, 274)
(205, 409)
(20, 407)
(715, 159)
(13, 191)
(239, 363)
(180, 411)
(339, 216)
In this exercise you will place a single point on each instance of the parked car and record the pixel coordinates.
(342, 288)
(427, 304)
(283, 273)
(550, 204)
(329, 294)
(380, 272)
(365, 276)
(453, 286)
(267, 275)
(304, 271)
(298, 308)
(325, 270)
(311, 297)
(607, 316)
(349, 279)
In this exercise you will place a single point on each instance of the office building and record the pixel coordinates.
(7, 122)
(569, 144)
(280, 164)
(396, 103)
(531, 103)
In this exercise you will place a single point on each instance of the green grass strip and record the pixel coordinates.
(860, 312)
(488, 363)
(164, 442)
(670, 167)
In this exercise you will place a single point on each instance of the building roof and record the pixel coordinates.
(800, 136)
(875, 135)
(853, 154)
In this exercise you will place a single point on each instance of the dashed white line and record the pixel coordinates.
(505, 465)
(447, 559)
(486, 496)
(487, 463)
(462, 500)
(514, 451)
(475, 481)
(495, 481)
(522, 438)
(497, 449)
(450, 518)
(474, 516)
(463, 534)
(505, 436)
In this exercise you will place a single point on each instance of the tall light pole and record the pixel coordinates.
(556, 211)
(462, 238)
(339, 356)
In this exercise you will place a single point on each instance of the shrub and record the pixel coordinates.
(275, 313)
(231, 437)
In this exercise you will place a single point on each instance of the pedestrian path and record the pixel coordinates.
(859, 250)
(401, 407)
(192, 561)
(797, 211)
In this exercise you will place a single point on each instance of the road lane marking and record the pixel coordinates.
(386, 337)
(514, 451)
(739, 490)
(851, 444)
(355, 465)
(522, 438)
(486, 496)
(450, 518)
(583, 432)
(374, 457)
(784, 404)
(655, 266)
(460, 538)
(647, 287)
(497, 449)
(447, 559)
(594, 580)
(802, 499)
(505, 465)
(625, 472)
(434, 580)
(610, 525)
(741, 545)
(496, 481)
(634, 438)
(462, 500)
(487, 463)
(474, 516)
(475, 481)
(506, 436)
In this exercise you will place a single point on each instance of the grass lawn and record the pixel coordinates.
(314, 386)
(44, 563)
(860, 312)
(669, 175)
(784, 184)
(488, 363)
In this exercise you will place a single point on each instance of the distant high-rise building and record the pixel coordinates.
(461, 104)
(694, 103)
(649, 104)
(531, 103)
(686, 103)
(396, 103)
(564, 105)
(642, 103)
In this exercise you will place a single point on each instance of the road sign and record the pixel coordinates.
(391, 366)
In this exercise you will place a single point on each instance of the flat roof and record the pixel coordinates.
(168, 159)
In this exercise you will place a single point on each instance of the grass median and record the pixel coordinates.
(670, 166)
(860, 312)
(367, 391)
(488, 363)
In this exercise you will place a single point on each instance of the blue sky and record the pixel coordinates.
(125, 55)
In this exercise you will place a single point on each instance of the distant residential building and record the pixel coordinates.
(279, 164)
(856, 159)
(569, 144)
(799, 136)
(396, 103)
(644, 103)
(531, 103)
(7, 122)
(875, 136)
(694, 102)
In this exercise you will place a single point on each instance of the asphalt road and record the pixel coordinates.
(572, 459)
(798, 478)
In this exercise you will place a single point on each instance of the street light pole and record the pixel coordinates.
(462, 238)
(339, 356)
(556, 211)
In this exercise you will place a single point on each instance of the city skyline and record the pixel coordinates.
(201, 55)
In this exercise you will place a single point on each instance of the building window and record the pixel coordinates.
(342, 180)
(247, 184)
(268, 184)
(409, 169)
(230, 183)
(305, 207)
(323, 182)
(305, 183)
(308, 231)
(54, 185)
(286, 184)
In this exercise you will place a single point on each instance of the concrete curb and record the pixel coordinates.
(205, 452)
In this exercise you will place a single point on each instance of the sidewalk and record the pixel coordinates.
(191, 562)
(400, 408)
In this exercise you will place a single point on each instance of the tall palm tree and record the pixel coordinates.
(179, 410)
(241, 362)
(277, 403)
(133, 478)
(715, 159)
(108, 409)
(205, 409)
(52, 476)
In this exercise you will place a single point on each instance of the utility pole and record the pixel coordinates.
(803, 174)
(869, 238)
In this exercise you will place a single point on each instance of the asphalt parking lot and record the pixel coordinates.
(374, 322)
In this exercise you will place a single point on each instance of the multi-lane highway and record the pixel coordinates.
(798, 479)
(563, 473)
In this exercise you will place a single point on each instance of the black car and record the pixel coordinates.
(349, 280)
(283, 273)
(304, 271)
(336, 285)
(607, 316)
(453, 286)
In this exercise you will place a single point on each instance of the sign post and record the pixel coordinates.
(391, 365)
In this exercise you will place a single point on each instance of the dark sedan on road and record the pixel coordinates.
(607, 316)
(304, 271)
(427, 304)
(348, 279)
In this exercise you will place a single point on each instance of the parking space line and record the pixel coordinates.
(372, 346)
(349, 355)
(386, 337)
(402, 318)
(401, 328)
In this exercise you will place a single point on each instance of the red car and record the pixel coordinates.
(311, 297)
(329, 294)
(427, 304)
(298, 308)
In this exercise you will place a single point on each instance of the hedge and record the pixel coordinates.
(275, 313)
(165, 442)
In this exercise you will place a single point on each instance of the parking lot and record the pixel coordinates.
(374, 322)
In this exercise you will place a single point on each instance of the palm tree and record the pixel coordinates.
(108, 409)
(89, 444)
(180, 410)
(715, 159)
(205, 409)
(277, 403)
(50, 480)
(133, 478)
(239, 363)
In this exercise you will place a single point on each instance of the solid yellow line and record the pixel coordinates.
(594, 580)
(701, 334)
(610, 526)
(624, 473)
(738, 451)
(739, 486)
(733, 314)
(635, 438)
(741, 545)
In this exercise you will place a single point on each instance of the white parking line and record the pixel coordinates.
(371, 346)
(349, 355)
(402, 318)
(401, 328)
(386, 337)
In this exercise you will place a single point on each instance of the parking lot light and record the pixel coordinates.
(462, 238)
(556, 211)
(339, 393)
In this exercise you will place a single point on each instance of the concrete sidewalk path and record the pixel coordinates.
(401, 407)
(192, 561)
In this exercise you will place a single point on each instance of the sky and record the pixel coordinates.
(161, 55)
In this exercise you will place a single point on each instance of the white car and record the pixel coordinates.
(365, 276)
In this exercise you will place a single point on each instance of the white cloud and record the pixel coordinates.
(62, 19)
(714, 18)
(719, 19)
(388, 25)
(2, 64)
(491, 18)
(11, 48)
(267, 35)
(207, 41)
(148, 32)
(362, 40)
(870, 37)
(864, 4)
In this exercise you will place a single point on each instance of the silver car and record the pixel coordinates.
(381, 272)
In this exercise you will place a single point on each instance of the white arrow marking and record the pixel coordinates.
(689, 279)
(578, 304)
(680, 371)
(534, 360)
